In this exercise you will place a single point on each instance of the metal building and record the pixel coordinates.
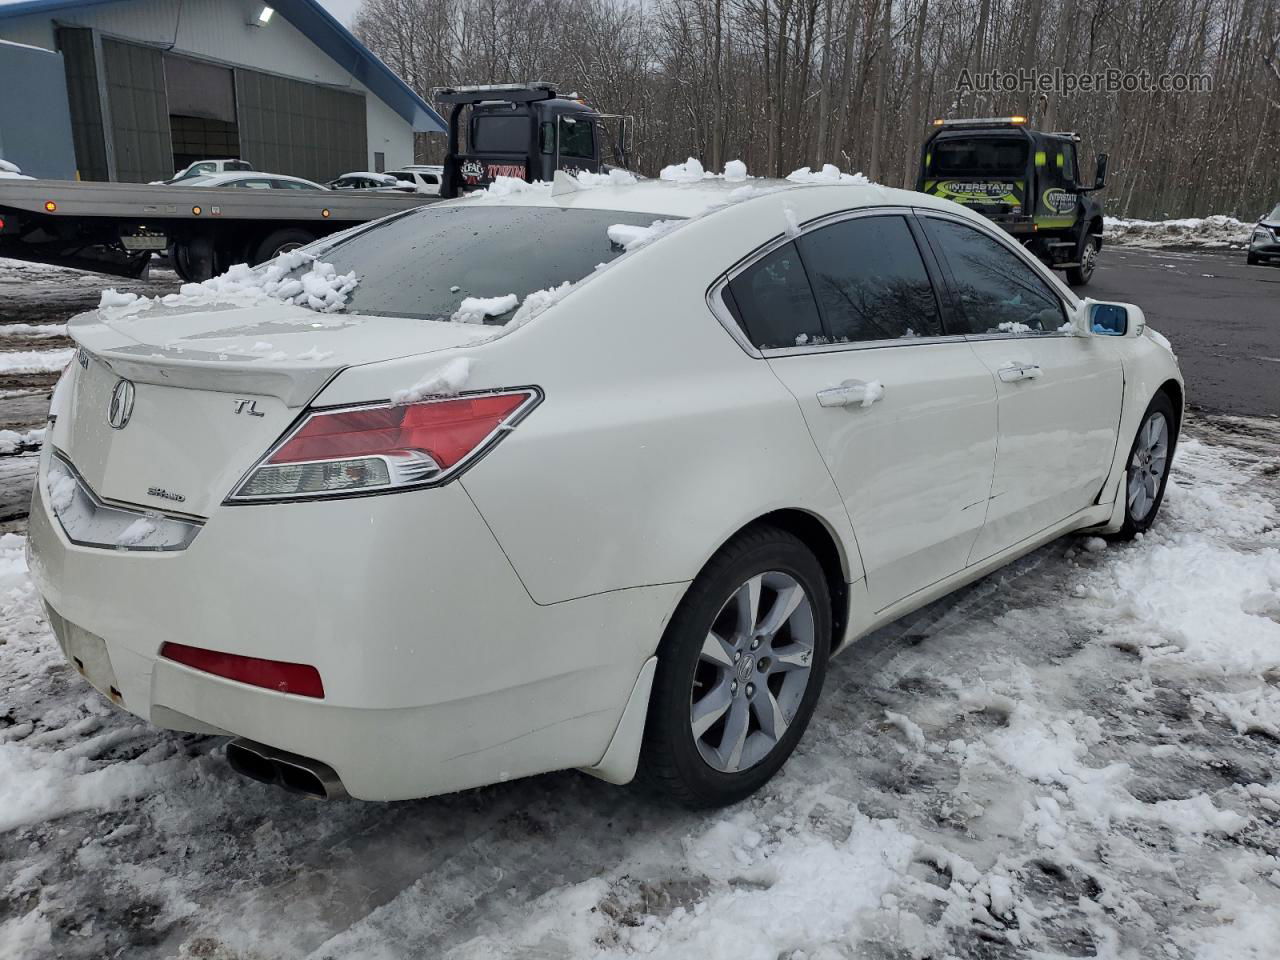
(151, 85)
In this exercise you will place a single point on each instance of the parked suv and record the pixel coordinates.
(1264, 245)
(423, 178)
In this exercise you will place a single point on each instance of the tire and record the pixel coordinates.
(1253, 259)
(281, 241)
(1147, 469)
(194, 260)
(738, 679)
(1079, 276)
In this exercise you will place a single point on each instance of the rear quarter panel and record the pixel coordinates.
(659, 436)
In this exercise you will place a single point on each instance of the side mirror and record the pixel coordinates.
(1097, 319)
(1100, 178)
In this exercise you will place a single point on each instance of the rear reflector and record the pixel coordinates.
(296, 678)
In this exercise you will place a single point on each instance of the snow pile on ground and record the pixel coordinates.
(38, 330)
(320, 287)
(1215, 231)
(829, 173)
(1073, 757)
(13, 441)
(35, 361)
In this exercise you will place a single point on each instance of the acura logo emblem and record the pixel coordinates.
(121, 408)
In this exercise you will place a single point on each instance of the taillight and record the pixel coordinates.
(297, 678)
(383, 447)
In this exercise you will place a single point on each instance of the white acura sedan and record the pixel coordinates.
(695, 439)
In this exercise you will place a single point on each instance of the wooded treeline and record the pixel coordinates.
(787, 83)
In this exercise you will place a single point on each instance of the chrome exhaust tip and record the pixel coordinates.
(285, 770)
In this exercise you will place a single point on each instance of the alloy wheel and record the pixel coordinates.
(1089, 258)
(1148, 465)
(752, 672)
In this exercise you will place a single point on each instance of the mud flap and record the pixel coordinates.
(622, 757)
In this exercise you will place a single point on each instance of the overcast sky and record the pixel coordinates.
(344, 10)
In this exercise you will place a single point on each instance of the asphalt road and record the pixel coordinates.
(1222, 316)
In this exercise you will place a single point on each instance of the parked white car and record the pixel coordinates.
(622, 522)
(424, 178)
(205, 168)
(363, 180)
(252, 181)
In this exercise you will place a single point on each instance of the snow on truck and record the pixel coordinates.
(1025, 181)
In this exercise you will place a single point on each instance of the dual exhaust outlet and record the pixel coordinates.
(283, 769)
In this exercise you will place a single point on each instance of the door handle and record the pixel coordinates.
(860, 393)
(1012, 371)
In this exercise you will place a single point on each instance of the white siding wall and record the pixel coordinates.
(218, 30)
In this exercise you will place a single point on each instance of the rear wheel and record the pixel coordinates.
(281, 241)
(193, 259)
(1148, 471)
(1079, 276)
(739, 671)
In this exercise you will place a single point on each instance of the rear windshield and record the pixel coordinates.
(500, 133)
(424, 263)
(979, 156)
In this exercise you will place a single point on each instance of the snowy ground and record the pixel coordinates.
(1076, 757)
(1216, 232)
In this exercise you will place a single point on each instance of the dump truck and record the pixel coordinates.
(527, 131)
(1026, 181)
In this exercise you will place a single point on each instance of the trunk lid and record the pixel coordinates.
(212, 390)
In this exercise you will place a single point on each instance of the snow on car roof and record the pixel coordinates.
(689, 197)
(646, 196)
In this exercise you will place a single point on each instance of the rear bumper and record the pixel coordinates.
(440, 673)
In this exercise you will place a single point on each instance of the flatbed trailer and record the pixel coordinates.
(114, 228)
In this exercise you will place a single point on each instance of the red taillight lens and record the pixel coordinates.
(297, 678)
(445, 430)
(383, 447)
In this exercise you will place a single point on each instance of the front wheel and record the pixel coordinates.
(1150, 458)
(1079, 276)
(739, 671)
(1253, 259)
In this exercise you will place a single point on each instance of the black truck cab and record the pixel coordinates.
(527, 131)
(1026, 181)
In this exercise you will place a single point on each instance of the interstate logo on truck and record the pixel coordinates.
(1059, 200)
(977, 191)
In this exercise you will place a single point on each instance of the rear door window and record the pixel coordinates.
(869, 280)
(773, 302)
(997, 292)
